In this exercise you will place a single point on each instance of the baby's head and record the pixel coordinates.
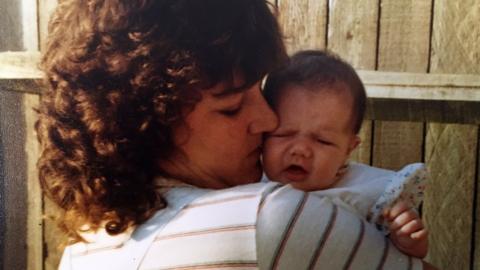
(320, 102)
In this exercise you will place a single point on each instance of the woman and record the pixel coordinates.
(151, 128)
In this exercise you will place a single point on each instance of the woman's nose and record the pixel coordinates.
(264, 119)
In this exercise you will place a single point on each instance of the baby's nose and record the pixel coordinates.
(301, 148)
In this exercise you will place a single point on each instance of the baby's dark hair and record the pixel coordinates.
(316, 71)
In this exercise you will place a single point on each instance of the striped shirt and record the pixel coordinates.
(257, 226)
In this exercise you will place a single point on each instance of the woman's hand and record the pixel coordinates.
(407, 231)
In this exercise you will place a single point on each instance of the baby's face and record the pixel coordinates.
(313, 140)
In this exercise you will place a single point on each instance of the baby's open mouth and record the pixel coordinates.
(296, 169)
(296, 173)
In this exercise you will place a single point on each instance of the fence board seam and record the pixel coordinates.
(475, 200)
(377, 43)
(432, 17)
(327, 23)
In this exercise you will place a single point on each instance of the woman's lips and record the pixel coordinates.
(295, 173)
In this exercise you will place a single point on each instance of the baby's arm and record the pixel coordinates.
(406, 230)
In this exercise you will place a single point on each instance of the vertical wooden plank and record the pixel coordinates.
(13, 190)
(3, 209)
(476, 253)
(451, 159)
(449, 208)
(397, 144)
(34, 233)
(303, 23)
(352, 31)
(54, 238)
(403, 46)
(34, 194)
(13, 184)
(30, 25)
(10, 26)
(18, 31)
(363, 152)
(352, 34)
(404, 35)
(456, 37)
(45, 9)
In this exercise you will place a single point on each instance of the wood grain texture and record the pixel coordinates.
(451, 159)
(34, 194)
(403, 46)
(455, 49)
(352, 35)
(352, 31)
(363, 152)
(45, 9)
(303, 23)
(13, 184)
(29, 25)
(460, 112)
(476, 254)
(20, 85)
(404, 35)
(405, 85)
(397, 144)
(54, 238)
(19, 65)
(11, 37)
(409, 79)
(456, 37)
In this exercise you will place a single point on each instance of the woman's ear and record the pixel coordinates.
(354, 142)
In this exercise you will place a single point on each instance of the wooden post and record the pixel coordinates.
(451, 149)
(13, 175)
(451, 159)
(34, 199)
(403, 46)
(476, 239)
(45, 9)
(29, 25)
(352, 33)
(22, 245)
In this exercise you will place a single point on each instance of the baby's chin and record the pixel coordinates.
(310, 185)
(297, 185)
(305, 187)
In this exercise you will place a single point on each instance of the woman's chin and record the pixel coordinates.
(253, 175)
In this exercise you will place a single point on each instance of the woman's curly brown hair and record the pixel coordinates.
(118, 75)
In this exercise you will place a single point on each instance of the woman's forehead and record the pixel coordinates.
(231, 87)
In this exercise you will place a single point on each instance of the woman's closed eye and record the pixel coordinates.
(230, 112)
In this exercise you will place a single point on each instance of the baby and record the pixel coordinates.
(320, 102)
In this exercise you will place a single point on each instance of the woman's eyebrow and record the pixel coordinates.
(228, 95)
(228, 92)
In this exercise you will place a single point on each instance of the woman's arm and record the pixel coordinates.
(298, 231)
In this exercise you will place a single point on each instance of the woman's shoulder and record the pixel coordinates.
(94, 251)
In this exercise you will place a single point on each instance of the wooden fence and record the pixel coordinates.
(419, 59)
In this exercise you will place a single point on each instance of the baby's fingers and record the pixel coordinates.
(396, 210)
(413, 226)
(402, 219)
(423, 233)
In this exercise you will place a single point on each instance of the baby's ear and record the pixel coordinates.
(354, 142)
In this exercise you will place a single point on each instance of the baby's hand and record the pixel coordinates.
(406, 230)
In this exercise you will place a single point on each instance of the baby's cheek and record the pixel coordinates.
(323, 178)
(270, 162)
